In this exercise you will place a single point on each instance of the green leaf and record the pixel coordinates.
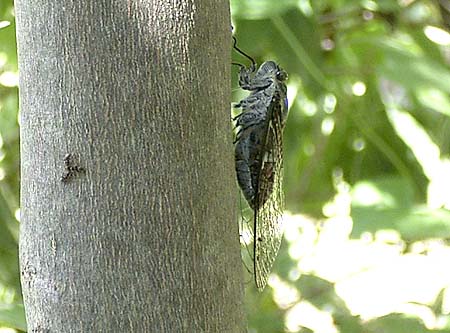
(386, 192)
(388, 204)
(434, 99)
(9, 265)
(413, 70)
(397, 323)
(13, 316)
(260, 9)
(424, 223)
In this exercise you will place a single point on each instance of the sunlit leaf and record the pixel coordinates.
(413, 70)
(388, 204)
(434, 99)
(398, 323)
(260, 9)
(13, 315)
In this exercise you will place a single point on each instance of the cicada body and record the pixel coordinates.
(259, 159)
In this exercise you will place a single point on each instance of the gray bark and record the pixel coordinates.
(144, 239)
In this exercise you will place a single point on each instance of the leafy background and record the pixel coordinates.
(11, 308)
(367, 169)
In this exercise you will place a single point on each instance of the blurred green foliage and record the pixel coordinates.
(367, 173)
(11, 308)
(367, 168)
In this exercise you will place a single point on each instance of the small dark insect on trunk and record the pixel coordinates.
(128, 190)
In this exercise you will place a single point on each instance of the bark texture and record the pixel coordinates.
(143, 236)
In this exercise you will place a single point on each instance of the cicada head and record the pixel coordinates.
(267, 74)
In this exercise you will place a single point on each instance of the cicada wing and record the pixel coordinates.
(268, 211)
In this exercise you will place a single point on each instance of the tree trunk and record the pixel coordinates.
(136, 230)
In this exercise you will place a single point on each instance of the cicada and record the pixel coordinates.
(259, 158)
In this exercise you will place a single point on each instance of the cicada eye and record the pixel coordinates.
(281, 75)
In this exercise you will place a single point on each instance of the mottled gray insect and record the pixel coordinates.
(259, 158)
(71, 168)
